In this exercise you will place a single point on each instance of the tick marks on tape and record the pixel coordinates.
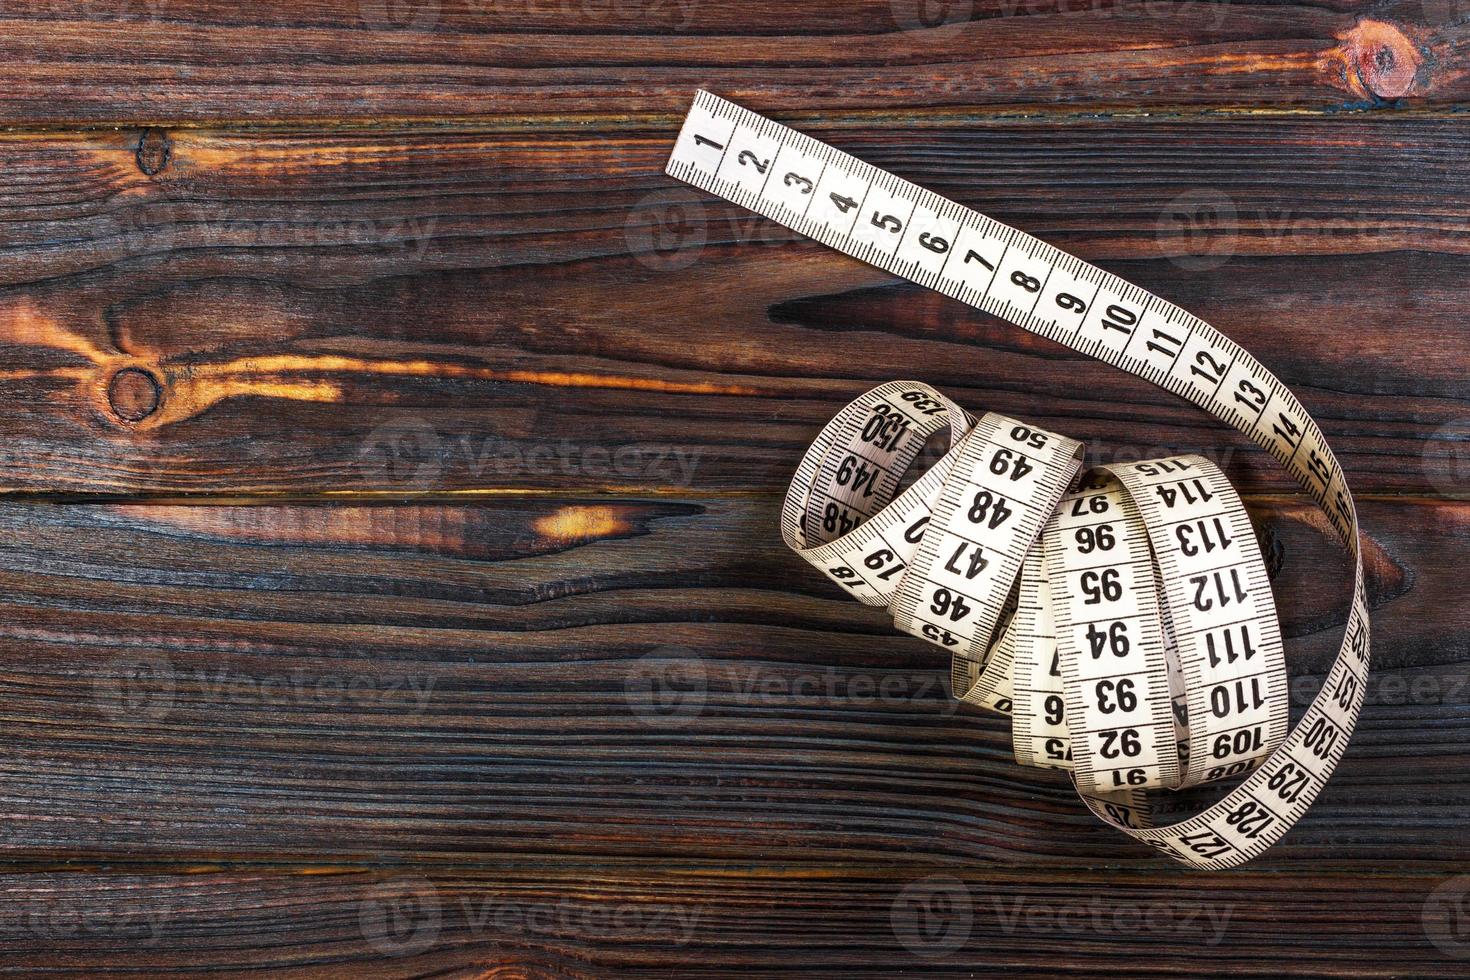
(1122, 616)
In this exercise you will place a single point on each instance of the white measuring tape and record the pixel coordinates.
(1124, 621)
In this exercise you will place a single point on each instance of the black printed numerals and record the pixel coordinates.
(1099, 585)
(1110, 639)
(1010, 464)
(951, 604)
(838, 520)
(967, 561)
(1218, 590)
(886, 427)
(1229, 645)
(858, 474)
(1187, 494)
(1203, 537)
(989, 510)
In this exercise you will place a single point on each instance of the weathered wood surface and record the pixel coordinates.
(149, 60)
(402, 311)
(591, 716)
(565, 736)
(453, 684)
(575, 919)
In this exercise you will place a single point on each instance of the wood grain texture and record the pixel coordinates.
(454, 684)
(168, 60)
(404, 312)
(570, 919)
(589, 716)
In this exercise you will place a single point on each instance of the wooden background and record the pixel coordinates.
(391, 582)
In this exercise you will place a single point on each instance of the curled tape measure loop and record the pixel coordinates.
(1124, 620)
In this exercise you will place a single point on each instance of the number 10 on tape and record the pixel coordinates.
(1028, 632)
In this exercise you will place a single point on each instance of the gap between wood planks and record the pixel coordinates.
(572, 123)
(552, 867)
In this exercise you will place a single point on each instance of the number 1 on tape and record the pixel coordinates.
(904, 229)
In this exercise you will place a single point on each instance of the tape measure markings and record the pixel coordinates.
(1198, 492)
(1039, 466)
(1039, 732)
(733, 153)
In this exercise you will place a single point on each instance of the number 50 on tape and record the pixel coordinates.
(1121, 615)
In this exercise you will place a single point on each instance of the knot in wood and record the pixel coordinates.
(1384, 60)
(134, 394)
(155, 150)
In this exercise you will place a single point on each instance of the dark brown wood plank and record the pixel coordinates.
(113, 61)
(765, 920)
(591, 717)
(651, 679)
(210, 312)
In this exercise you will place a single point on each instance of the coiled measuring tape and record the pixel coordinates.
(1124, 619)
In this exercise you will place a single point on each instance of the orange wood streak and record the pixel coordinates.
(192, 388)
(22, 323)
(66, 373)
(574, 523)
(306, 363)
(198, 387)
